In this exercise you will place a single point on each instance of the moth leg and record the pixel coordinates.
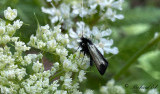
(91, 61)
(83, 56)
(77, 48)
(80, 52)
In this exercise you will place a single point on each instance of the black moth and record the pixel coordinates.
(90, 49)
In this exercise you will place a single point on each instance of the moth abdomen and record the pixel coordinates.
(102, 69)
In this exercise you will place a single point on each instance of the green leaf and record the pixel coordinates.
(149, 62)
(146, 15)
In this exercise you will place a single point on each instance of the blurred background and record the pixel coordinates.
(135, 36)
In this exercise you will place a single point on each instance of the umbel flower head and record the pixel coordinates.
(111, 88)
(97, 36)
(53, 41)
(66, 12)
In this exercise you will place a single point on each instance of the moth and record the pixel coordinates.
(88, 48)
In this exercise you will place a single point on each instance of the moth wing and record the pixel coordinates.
(99, 60)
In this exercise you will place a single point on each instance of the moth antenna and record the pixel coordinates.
(82, 20)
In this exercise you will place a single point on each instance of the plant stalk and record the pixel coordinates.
(136, 56)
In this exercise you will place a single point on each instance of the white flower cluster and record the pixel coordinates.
(13, 75)
(67, 11)
(107, 8)
(150, 91)
(153, 91)
(52, 41)
(98, 37)
(71, 68)
(59, 14)
(71, 65)
(111, 88)
(74, 66)
(6, 29)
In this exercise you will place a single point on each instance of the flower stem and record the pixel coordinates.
(136, 56)
(57, 75)
(75, 79)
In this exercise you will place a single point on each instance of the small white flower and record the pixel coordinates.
(56, 65)
(10, 14)
(142, 89)
(54, 19)
(41, 44)
(49, 11)
(46, 74)
(65, 39)
(5, 39)
(156, 34)
(119, 90)
(20, 46)
(110, 88)
(45, 82)
(75, 86)
(17, 24)
(78, 10)
(98, 35)
(45, 28)
(49, 0)
(59, 37)
(10, 30)
(60, 92)
(14, 39)
(110, 14)
(65, 10)
(73, 45)
(21, 91)
(27, 60)
(20, 73)
(74, 67)
(153, 91)
(111, 4)
(110, 83)
(37, 66)
(88, 91)
(2, 30)
(118, 4)
(33, 77)
(58, 14)
(10, 74)
(78, 34)
(85, 64)
(54, 85)
(75, 35)
(104, 90)
(53, 70)
(67, 64)
(105, 45)
(51, 44)
(75, 91)
(67, 83)
(33, 40)
(5, 90)
(81, 75)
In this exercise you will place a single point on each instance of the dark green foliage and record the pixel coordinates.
(145, 15)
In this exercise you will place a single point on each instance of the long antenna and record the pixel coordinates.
(82, 19)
